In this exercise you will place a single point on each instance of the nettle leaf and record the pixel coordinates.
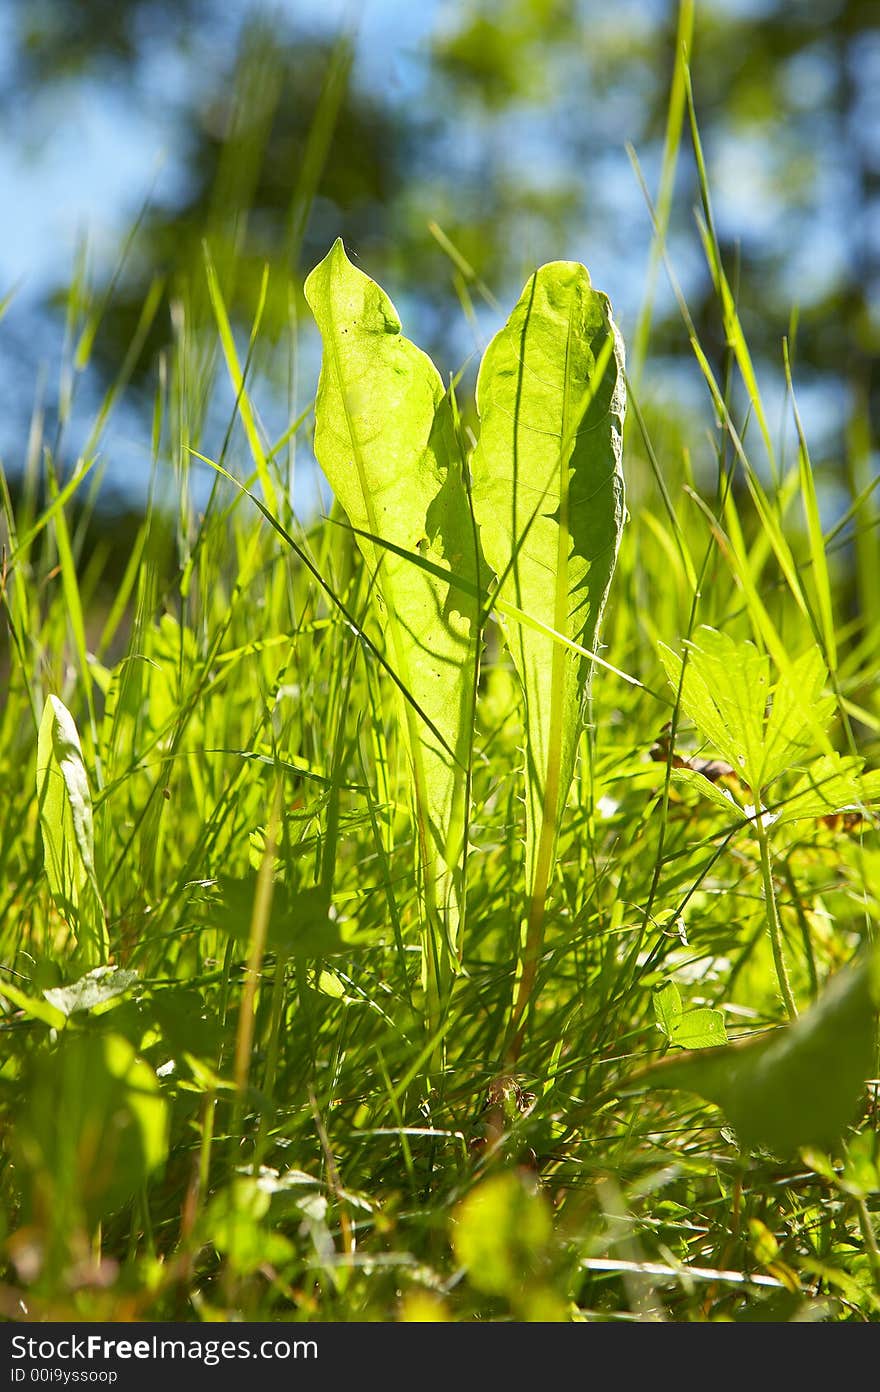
(788, 737)
(724, 691)
(834, 783)
(65, 809)
(762, 730)
(798, 1085)
(548, 497)
(385, 438)
(702, 1028)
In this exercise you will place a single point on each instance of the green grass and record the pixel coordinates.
(282, 1137)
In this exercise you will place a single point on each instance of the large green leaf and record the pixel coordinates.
(385, 438)
(65, 808)
(548, 497)
(798, 1085)
(762, 730)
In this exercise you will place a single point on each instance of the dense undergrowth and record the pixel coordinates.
(223, 1091)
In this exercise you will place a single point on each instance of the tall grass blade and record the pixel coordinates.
(385, 438)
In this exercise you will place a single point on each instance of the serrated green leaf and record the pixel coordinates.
(788, 738)
(724, 691)
(385, 438)
(834, 783)
(798, 1085)
(65, 808)
(760, 729)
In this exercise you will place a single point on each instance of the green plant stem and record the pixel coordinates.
(276, 1013)
(552, 788)
(534, 936)
(774, 927)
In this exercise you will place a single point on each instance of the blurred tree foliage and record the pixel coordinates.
(507, 146)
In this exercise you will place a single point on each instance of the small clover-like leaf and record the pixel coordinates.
(667, 1007)
(702, 1028)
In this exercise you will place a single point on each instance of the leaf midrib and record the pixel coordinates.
(552, 777)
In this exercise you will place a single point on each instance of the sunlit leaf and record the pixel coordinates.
(834, 783)
(667, 1007)
(724, 692)
(235, 1225)
(702, 1028)
(65, 807)
(501, 1235)
(761, 729)
(385, 438)
(548, 497)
